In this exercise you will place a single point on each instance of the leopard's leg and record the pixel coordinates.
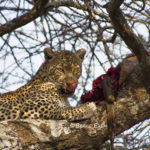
(84, 111)
(56, 112)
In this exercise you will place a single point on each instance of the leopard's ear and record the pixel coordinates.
(48, 53)
(80, 53)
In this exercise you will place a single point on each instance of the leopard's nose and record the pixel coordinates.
(71, 86)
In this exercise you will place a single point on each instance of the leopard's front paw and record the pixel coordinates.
(90, 109)
(92, 106)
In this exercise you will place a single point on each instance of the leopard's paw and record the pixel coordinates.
(90, 109)
(92, 106)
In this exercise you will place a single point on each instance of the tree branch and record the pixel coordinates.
(124, 30)
(37, 11)
(40, 7)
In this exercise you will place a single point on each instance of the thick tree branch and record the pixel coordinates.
(129, 37)
(127, 34)
(37, 10)
(132, 107)
(40, 8)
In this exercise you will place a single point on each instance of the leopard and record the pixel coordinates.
(46, 95)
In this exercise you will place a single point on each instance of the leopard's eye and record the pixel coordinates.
(76, 70)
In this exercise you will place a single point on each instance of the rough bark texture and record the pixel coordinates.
(131, 107)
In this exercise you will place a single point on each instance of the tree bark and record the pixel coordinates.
(132, 106)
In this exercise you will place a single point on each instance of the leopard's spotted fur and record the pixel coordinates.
(44, 97)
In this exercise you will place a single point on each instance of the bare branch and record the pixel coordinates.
(121, 26)
(37, 11)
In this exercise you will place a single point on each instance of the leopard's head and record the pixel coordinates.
(64, 69)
